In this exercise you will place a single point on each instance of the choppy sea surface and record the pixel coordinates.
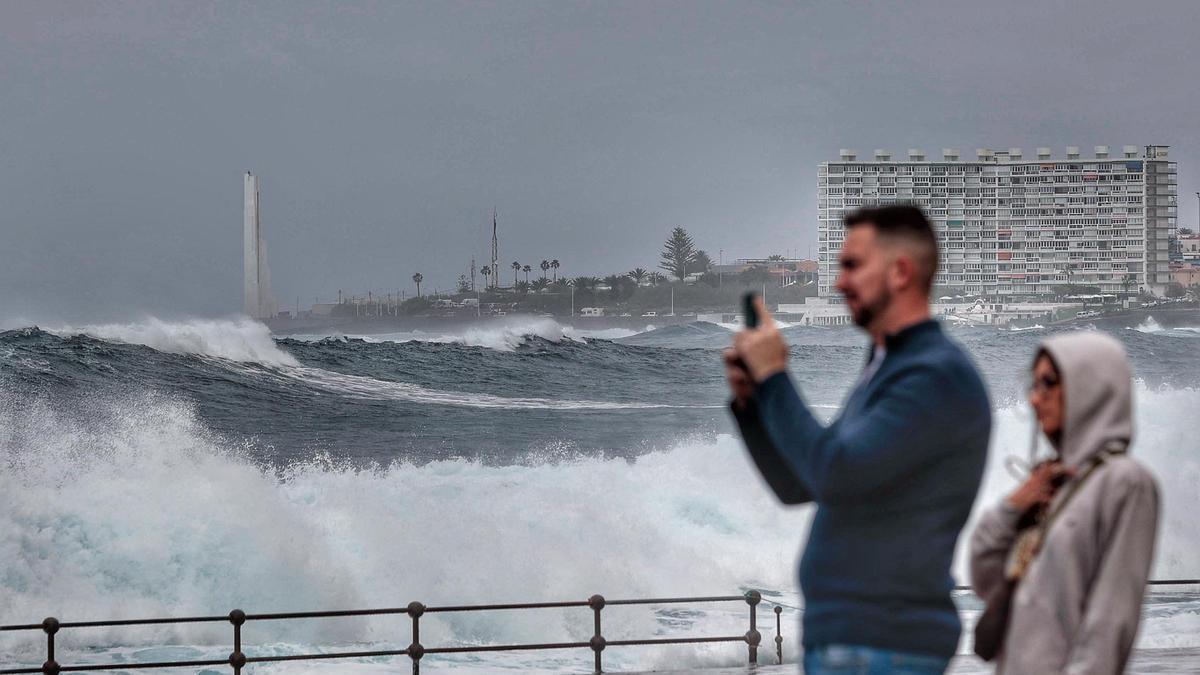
(187, 468)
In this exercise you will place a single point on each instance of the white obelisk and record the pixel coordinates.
(252, 296)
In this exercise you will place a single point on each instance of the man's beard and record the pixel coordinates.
(865, 315)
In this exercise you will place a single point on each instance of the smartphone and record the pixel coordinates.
(749, 313)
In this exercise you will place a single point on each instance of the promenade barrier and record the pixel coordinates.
(415, 651)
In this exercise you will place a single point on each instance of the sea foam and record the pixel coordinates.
(135, 509)
(131, 507)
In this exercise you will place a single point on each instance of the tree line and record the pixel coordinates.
(679, 258)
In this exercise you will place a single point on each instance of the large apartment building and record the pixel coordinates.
(1012, 228)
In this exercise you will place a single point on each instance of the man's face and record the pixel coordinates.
(862, 278)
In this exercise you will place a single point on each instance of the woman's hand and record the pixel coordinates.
(1039, 488)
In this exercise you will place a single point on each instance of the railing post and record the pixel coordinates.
(415, 650)
(50, 667)
(778, 634)
(236, 658)
(596, 602)
(753, 637)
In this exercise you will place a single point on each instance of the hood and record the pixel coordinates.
(1097, 391)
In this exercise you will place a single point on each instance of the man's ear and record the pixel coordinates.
(903, 271)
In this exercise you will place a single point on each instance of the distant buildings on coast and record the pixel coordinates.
(1185, 259)
(1020, 237)
(1017, 228)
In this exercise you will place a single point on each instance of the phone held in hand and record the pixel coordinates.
(749, 312)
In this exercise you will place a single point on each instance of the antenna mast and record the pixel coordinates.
(495, 250)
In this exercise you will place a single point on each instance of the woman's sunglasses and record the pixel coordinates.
(1043, 384)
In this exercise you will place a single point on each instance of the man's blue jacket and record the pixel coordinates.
(894, 477)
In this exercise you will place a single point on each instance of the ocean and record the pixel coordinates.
(170, 468)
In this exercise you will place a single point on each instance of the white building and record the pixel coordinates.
(815, 312)
(1013, 228)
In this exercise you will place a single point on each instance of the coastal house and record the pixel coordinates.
(781, 271)
(1185, 274)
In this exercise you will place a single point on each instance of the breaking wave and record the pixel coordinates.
(243, 340)
(1152, 327)
(1149, 326)
(502, 335)
(248, 342)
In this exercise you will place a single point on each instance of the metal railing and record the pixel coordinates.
(416, 650)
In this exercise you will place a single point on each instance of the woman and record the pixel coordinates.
(1078, 536)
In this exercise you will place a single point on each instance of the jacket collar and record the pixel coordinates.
(898, 339)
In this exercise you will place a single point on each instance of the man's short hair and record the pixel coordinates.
(903, 224)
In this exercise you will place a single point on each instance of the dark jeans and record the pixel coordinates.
(855, 660)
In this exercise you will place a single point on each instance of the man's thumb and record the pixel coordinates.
(765, 320)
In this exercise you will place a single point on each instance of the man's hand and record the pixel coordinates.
(1040, 487)
(740, 384)
(762, 350)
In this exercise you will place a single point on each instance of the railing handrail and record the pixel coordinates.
(415, 651)
(377, 611)
(237, 659)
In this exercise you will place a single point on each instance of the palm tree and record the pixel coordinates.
(516, 268)
(554, 266)
(418, 278)
(527, 269)
(613, 281)
(1128, 281)
(638, 274)
(487, 272)
(656, 278)
(545, 266)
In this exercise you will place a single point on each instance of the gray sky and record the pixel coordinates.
(385, 133)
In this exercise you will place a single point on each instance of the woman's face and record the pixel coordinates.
(1046, 396)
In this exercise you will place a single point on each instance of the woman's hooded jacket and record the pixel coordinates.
(1077, 608)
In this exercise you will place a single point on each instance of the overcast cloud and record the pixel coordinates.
(385, 133)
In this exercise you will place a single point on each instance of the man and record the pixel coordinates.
(893, 477)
